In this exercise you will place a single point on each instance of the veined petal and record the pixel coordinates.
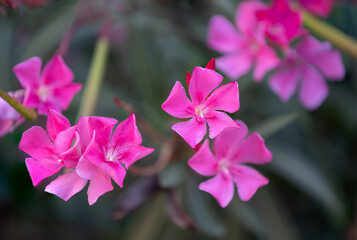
(132, 154)
(202, 83)
(224, 98)
(235, 65)
(192, 131)
(218, 121)
(178, 104)
(284, 82)
(99, 185)
(28, 72)
(220, 187)
(38, 172)
(248, 180)
(204, 162)
(65, 186)
(56, 72)
(56, 123)
(126, 133)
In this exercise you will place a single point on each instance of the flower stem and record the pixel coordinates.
(95, 77)
(332, 34)
(28, 113)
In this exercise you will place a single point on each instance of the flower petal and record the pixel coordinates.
(103, 127)
(224, 98)
(28, 72)
(86, 169)
(56, 123)
(126, 133)
(192, 131)
(220, 187)
(64, 140)
(248, 180)
(202, 83)
(99, 185)
(65, 94)
(116, 171)
(218, 121)
(330, 64)
(177, 104)
(235, 65)
(284, 82)
(132, 154)
(56, 72)
(266, 60)
(204, 162)
(65, 186)
(38, 172)
(246, 19)
(72, 155)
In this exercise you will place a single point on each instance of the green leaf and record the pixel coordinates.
(173, 175)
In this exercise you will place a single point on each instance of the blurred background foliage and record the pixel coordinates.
(313, 175)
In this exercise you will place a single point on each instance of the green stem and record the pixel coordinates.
(332, 34)
(28, 113)
(95, 77)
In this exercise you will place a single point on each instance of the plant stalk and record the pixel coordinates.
(28, 113)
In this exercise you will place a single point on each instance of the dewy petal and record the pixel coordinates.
(222, 36)
(253, 150)
(37, 144)
(192, 131)
(218, 121)
(246, 19)
(202, 83)
(86, 169)
(99, 185)
(266, 60)
(235, 65)
(28, 72)
(313, 89)
(204, 162)
(65, 186)
(126, 133)
(132, 154)
(38, 172)
(65, 94)
(56, 123)
(284, 82)
(56, 72)
(64, 139)
(248, 180)
(178, 104)
(220, 187)
(224, 98)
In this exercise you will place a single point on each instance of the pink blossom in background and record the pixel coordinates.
(206, 105)
(228, 165)
(245, 48)
(50, 89)
(319, 7)
(307, 66)
(283, 24)
(51, 151)
(106, 154)
(9, 117)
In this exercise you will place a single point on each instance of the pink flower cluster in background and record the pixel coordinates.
(97, 154)
(263, 30)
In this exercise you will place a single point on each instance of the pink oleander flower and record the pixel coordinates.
(51, 89)
(282, 23)
(106, 154)
(307, 65)
(206, 105)
(9, 117)
(228, 165)
(51, 151)
(319, 7)
(245, 48)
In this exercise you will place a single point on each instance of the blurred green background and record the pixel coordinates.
(313, 175)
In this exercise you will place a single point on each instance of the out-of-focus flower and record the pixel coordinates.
(307, 65)
(204, 106)
(319, 7)
(232, 151)
(27, 3)
(9, 117)
(51, 151)
(245, 48)
(51, 89)
(282, 23)
(107, 154)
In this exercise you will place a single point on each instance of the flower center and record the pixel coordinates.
(200, 111)
(224, 165)
(43, 93)
(111, 155)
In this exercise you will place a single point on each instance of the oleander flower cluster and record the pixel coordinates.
(261, 32)
(93, 151)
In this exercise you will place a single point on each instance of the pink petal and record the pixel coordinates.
(44, 107)
(56, 72)
(5, 126)
(65, 186)
(38, 172)
(211, 64)
(192, 131)
(64, 139)
(218, 121)
(72, 155)
(204, 162)
(116, 171)
(84, 132)
(132, 154)
(99, 185)
(266, 60)
(178, 104)
(56, 123)
(246, 19)
(65, 94)
(126, 133)
(330, 64)
(313, 89)
(86, 169)
(103, 127)
(222, 36)
(28, 72)
(220, 187)
(37, 144)
(224, 98)
(7, 112)
(94, 151)
(202, 83)
(318, 7)
(248, 180)
(235, 65)
(284, 82)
